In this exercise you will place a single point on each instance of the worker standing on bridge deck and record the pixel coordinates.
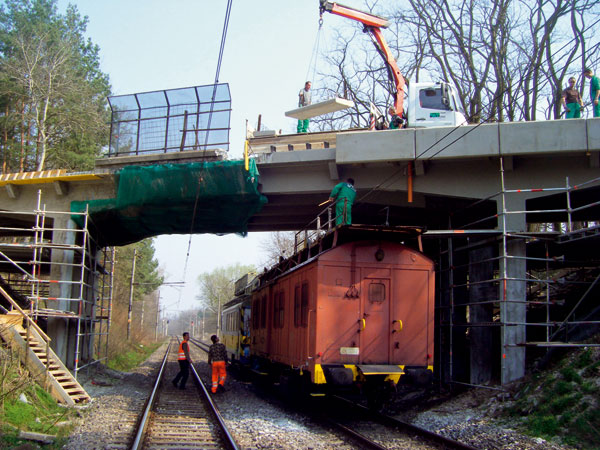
(183, 358)
(343, 194)
(594, 90)
(395, 119)
(217, 357)
(571, 100)
(304, 99)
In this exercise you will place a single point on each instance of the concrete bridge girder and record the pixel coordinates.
(454, 167)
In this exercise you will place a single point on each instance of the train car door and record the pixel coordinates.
(412, 315)
(375, 323)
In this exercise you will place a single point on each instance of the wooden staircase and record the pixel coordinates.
(35, 353)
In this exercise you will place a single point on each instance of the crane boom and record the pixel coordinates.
(373, 24)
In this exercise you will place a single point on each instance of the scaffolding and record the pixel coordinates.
(501, 278)
(504, 267)
(60, 275)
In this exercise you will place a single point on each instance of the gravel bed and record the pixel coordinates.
(258, 424)
(116, 397)
(469, 418)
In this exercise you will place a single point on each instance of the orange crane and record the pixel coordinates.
(373, 25)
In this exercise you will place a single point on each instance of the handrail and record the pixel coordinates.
(24, 314)
(35, 326)
(309, 232)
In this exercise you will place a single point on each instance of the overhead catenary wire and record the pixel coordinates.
(403, 167)
(214, 94)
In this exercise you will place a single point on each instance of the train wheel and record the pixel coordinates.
(378, 393)
(293, 385)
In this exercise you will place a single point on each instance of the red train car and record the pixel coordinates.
(359, 309)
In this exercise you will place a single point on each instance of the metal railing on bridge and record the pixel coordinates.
(166, 121)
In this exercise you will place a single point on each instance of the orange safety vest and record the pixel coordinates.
(181, 356)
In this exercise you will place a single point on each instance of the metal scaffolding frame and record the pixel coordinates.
(82, 291)
(455, 276)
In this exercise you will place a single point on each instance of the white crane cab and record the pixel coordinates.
(433, 105)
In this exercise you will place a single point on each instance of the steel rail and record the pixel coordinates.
(228, 438)
(392, 422)
(360, 438)
(201, 345)
(137, 442)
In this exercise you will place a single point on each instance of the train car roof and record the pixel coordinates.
(410, 236)
(236, 301)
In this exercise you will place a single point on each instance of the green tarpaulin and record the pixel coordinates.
(161, 199)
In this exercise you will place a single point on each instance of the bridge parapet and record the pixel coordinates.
(176, 120)
(471, 141)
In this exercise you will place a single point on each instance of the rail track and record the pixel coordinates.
(370, 429)
(374, 430)
(181, 419)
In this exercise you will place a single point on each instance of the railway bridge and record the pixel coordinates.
(485, 194)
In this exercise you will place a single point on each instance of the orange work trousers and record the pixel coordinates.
(218, 374)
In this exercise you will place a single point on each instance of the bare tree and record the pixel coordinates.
(278, 244)
(508, 59)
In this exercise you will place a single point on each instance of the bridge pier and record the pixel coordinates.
(482, 293)
(512, 288)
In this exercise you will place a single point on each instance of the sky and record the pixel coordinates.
(153, 45)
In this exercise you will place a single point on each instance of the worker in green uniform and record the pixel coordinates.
(304, 99)
(343, 194)
(594, 90)
(571, 100)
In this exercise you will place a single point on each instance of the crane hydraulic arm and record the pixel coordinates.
(373, 24)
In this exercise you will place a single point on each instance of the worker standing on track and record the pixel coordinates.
(217, 357)
(304, 99)
(183, 358)
(343, 194)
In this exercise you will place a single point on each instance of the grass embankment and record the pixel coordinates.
(563, 403)
(41, 413)
(131, 356)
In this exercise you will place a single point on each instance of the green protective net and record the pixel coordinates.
(154, 200)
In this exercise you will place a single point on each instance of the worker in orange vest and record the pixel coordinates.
(217, 357)
(183, 358)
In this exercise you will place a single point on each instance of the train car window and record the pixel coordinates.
(263, 312)
(304, 306)
(255, 313)
(276, 310)
(376, 292)
(281, 308)
(297, 311)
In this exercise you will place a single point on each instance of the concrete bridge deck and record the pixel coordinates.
(452, 168)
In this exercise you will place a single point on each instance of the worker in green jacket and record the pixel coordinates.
(343, 194)
(594, 90)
